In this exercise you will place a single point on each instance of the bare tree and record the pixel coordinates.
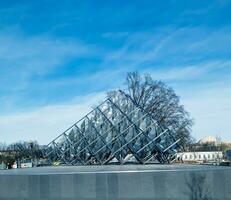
(161, 102)
(26, 149)
(3, 146)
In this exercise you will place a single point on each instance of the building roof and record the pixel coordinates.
(209, 139)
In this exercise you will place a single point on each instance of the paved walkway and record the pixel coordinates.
(110, 169)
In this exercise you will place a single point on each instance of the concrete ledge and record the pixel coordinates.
(130, 182)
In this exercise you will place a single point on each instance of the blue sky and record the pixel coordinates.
(58, 58)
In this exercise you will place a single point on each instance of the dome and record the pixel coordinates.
(209, 139)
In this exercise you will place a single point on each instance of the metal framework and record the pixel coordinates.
(118, 130)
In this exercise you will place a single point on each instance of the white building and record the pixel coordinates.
(203, 156)
(210, 139)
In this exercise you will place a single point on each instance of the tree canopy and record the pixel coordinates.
(161, 102)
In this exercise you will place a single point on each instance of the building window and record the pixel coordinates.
(213, 156)
(199, 156)
(186, 157)
(204, 156)
(190, 156)
(208, 156)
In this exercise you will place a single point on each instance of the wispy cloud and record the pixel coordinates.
(45, 123)
(21, 56)
(171, 46)
(27, 61)
(64, 53)
(196, 62)
(191, 72)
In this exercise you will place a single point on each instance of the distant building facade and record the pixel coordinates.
(210, 139)
(201, 156)
(214, 140)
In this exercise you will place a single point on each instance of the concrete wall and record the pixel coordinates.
(161, 185)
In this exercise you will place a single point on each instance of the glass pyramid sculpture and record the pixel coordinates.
(118, 130)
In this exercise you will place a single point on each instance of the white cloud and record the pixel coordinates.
(170, 46)
(23, 56)
(207, 103)
(189, 72)
(45, 123)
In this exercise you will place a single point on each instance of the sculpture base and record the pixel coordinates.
(114, 182)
